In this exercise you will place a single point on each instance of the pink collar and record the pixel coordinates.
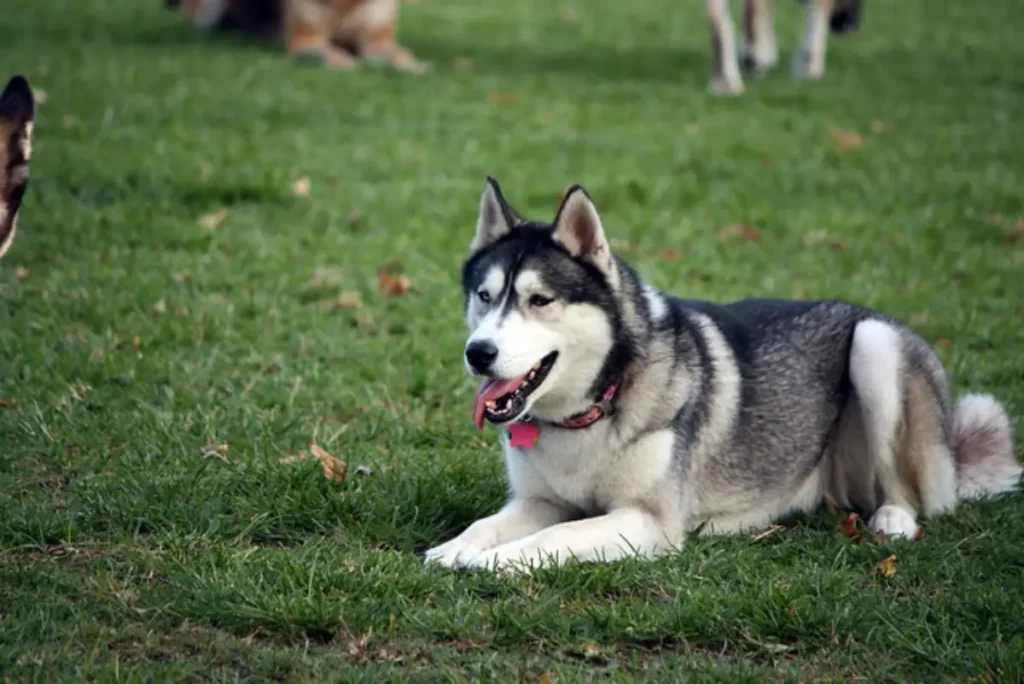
(526, 432)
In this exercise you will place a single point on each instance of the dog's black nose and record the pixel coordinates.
(481, 354)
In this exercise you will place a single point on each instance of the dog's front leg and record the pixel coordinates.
(519, 518)
(623, 532)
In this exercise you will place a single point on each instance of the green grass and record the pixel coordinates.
(148, 528)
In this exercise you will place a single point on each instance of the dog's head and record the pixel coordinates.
(540, 300)
(17, 110)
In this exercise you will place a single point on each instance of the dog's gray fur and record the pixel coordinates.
(728, 416)
(17, 109)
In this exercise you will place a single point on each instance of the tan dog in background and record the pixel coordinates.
(17, 110)
(335, 32)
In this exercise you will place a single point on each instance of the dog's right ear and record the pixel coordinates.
(496, 218)
(17, 109)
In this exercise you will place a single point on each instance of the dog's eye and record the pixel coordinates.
(484, 296)
(540, 300)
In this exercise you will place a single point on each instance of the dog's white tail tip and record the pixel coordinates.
(983, 447)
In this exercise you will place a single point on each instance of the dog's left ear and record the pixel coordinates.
(579, 229)
(496, 218)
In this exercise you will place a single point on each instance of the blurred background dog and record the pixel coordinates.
(17, 110)
(334, 32)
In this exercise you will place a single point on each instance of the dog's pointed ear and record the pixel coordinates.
(496, 218)
(17, 109)
(578, 228)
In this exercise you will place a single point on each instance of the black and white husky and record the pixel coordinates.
(17, 110)
(630, 417)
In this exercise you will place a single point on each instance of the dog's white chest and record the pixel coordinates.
(587, 468)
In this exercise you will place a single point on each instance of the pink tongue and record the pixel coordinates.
(491, 390)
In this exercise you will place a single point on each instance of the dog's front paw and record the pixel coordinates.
(452, 554)
(894, 521)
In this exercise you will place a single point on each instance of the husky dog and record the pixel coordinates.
(758, 52)
(332, 32)
(17, 109)
(630, 417)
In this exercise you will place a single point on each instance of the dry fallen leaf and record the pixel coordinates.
(301, 186)
(942, 343)
(136, 342)
(8, 403)
(887, 568)
(919, 535)
(348, 300)
(671, 254)
(742, 231)
(544, 678)
(333, 468)
(392, 285)
(844, 139)
(211, 221)
(21, 273)
(500, 99)
(848, 526)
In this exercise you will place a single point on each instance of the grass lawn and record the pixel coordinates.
(194, 297)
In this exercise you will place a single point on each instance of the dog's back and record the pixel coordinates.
(17, 109)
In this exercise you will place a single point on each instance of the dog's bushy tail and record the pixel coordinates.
(983, 448)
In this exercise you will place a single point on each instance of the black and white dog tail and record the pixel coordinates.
(983, 448)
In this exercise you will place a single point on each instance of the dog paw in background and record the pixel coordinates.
(17, 111)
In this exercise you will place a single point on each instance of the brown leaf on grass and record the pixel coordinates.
(919, 535)
(1016, 236)
(845, 140)
(544, 678)
(302, 186)
(21, 273)
(392, 285)
(502, 99)
(333, 468)
(8, 403)
(136, 342)
(671, 254)
(887, 568)
(741, 231)
(848, 527)
(821, 237)
(943, 343)
(347, 301)
(211, 221)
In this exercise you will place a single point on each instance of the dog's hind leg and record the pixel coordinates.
(759, 50)
(725, 76)
(876, 373)
(809, 59)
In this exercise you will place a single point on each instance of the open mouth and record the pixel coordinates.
(499, 401)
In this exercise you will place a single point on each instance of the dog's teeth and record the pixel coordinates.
(491, 404)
